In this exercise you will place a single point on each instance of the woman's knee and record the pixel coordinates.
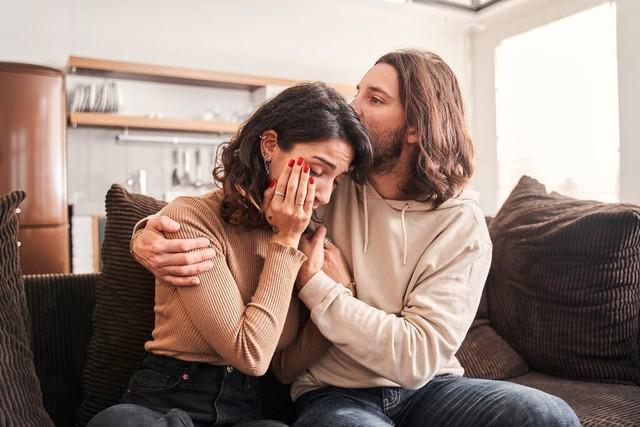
(130, 415)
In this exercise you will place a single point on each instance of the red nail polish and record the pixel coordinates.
(300, 160)
(306, 168)
(291, 163)
(312, 180)
(273, 183)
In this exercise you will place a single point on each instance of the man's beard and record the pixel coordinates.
(387, 146)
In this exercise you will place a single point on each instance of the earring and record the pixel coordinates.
(266, 162)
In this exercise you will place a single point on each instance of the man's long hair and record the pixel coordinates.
(433, 107)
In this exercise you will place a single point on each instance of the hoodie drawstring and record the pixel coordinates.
(404, 234)
(366, 218)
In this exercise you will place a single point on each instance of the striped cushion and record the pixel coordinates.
(564, 285)
(484, 354)
(20, 396)
(596, 405)
(60, 307)
(123, 317)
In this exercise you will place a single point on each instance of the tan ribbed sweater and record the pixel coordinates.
(243, 310)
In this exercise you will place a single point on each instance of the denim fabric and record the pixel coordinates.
(447, 400)
(170, 392)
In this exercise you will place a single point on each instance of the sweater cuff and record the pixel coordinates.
(317, 289)
(283, 253)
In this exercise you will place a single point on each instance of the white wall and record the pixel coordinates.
(516, 17)
(331, 40)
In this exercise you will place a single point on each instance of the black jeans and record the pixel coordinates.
(170, 392)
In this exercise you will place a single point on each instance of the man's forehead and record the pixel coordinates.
(382, 78)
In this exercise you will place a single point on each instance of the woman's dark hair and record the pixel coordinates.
(303, 113)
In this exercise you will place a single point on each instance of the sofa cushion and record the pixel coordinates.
(61, 308)
(564, 284)
(595, 404)
(485, 354)
(20, 395)
(123, 317)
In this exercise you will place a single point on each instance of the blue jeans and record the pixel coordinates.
(447, 400)
(169, 392)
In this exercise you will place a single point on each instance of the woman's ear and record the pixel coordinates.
(268, 144)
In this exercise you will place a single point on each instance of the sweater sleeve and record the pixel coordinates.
(245, 336)
(307, 348)
(410, 347)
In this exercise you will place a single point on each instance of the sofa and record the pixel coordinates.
(571, 329)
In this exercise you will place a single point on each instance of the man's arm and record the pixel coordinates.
(171, 260)
(410, 347)
(306, 349)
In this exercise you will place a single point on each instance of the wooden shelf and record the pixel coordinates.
(177, 75)
(135, 122)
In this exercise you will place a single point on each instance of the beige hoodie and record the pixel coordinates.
(419, 273)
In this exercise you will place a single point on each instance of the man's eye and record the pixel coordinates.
(376, 100)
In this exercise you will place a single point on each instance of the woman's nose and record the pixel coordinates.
(323, 192)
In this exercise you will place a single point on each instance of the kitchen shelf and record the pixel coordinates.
(177, 75)
(149, 123)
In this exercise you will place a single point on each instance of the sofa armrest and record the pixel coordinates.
(60, 309)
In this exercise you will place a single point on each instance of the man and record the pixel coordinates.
(419, 252)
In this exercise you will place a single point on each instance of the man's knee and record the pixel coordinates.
(340, 417)
(543, 409)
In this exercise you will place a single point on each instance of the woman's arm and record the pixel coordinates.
(246, 336)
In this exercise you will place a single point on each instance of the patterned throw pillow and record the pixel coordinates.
(123, 317)
(564, 285)
(20, 396)
(485, 354)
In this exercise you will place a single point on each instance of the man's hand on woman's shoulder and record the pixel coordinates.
(177, 261)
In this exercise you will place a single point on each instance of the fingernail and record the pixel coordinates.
(208, 266)
(300, 160)
(273, 183)
(312, 180)
(306, 168)
(195, 281)
(291, 163)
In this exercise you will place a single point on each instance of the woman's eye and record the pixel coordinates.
(315, 173)
(376, 101)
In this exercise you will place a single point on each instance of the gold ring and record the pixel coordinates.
(279, 193)
(299, 204)
(326, 242)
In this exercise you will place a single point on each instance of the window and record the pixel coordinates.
(557, 106)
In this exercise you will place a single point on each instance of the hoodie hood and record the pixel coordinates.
(367, 191)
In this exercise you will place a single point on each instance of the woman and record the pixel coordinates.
(211, 341)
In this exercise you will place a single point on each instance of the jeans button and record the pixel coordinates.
(229, 369)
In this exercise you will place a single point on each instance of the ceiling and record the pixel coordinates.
(472, 5)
